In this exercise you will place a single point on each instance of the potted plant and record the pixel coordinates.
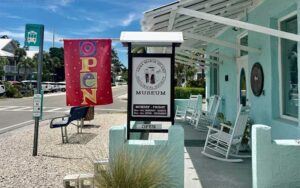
(246, 140)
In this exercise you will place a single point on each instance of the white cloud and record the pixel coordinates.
(48, 37)
(129, 19)
(10, 16)
(13, 35)
(65, 2)
(52, 8)
(54, 5)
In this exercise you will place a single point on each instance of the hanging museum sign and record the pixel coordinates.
(88, 72)
(151, 87)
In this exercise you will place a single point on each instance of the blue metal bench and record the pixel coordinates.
(76, 113)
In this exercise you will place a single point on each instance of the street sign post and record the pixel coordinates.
(34, 36)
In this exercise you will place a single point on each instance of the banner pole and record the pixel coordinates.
(39, 79)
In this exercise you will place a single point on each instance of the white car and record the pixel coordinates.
(61, 86)
(2, 88)
(47, 87)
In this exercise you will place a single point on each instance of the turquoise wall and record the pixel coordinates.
(174, 145)
(274, 164)
(265, 108)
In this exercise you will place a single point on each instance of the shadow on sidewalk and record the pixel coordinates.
(214, 173)
(82, 138)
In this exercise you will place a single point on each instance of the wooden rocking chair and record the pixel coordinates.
(221, 145)
(207, 118)
(187, 112)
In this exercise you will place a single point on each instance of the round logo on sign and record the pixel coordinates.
(150, 74)
(87, 48)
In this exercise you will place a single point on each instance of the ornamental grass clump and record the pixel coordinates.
(136, 168)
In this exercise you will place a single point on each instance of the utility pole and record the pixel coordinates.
(53, 39)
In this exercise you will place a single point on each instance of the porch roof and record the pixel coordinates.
(3, 44)
(198, 32)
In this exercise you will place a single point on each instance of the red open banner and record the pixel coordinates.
(88, 72)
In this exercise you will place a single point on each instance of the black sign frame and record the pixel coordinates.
(129, 104)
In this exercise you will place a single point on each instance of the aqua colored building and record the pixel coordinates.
(249, 49)
(266, 40)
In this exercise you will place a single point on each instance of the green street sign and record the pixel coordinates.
(33, 33)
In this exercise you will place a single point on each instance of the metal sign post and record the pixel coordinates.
(34, 36)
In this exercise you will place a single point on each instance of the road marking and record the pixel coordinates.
(16, 125)
(53, 94)
(55, 109)
(22, 109)
(8, 107)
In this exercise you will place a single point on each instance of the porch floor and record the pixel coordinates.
(208, 172)
(203, 172)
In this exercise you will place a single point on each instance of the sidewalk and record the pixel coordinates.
(18, 168)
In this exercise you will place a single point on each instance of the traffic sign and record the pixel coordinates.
(33, 34)
(37, 111)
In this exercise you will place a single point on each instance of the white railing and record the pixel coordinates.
(14, 69)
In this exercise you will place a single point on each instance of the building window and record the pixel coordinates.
(214, 69)
(289, 69)
(243, 40)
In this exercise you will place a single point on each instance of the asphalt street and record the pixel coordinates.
(15, 113)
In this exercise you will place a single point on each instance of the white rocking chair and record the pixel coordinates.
(220, 145)
(188, 111)
(208, 118)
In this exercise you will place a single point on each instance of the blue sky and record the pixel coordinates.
(75, 18)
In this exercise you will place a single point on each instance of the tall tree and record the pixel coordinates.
(19, 54)
(117, 65)
(3, 61)
(184, 72)
(27, 64)
(50, 64)
(59, 71)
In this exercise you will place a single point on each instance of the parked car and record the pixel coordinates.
(31, 84)
(47, 87)
(61, 86)
(54, 86)
(2, 88)
(120, 82)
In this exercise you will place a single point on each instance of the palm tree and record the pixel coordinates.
(184, 72)
(19, 56)
(117, 65)
(3, 61)
(26, 64)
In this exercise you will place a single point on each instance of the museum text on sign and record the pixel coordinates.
(151, 87)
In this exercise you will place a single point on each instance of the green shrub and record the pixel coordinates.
(196, 83)
(12, 91)
(185, 92)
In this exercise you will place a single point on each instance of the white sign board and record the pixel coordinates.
(151, 87)
(37, 105)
